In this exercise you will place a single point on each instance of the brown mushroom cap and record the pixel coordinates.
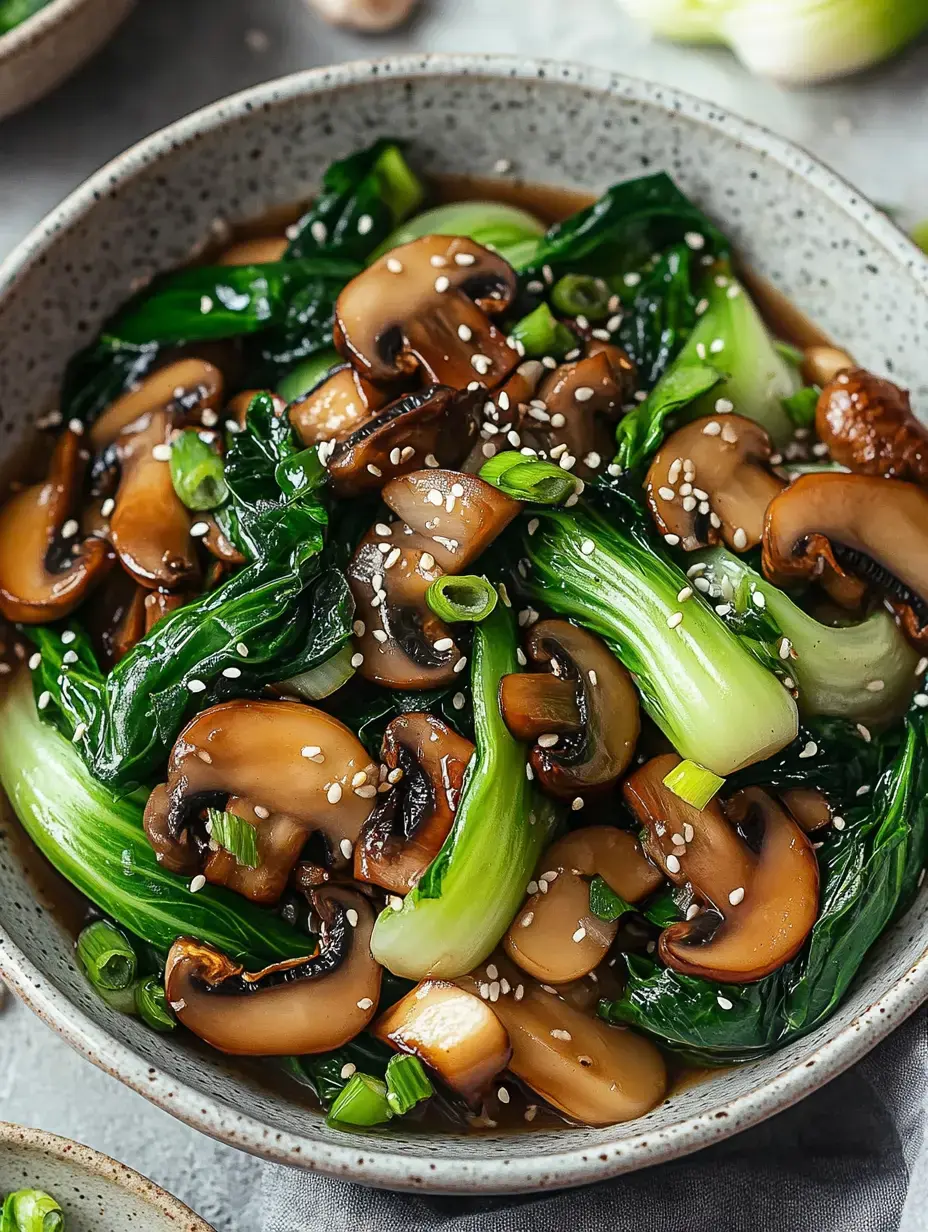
(589, 1071)
(876, 529)
(447, 520)
(191, 386)
(452, 1031)
(821, 363)
(300, 770)
(426, 305)
(427, 761)
(582, 401)
(438, 423)
(555, 937)
(808, 808)
(335, 407)
(709, 481)
(597, 755)
(261, 250)
(868, 425)
(763, 899)
(306, 1005)
(40, 579)
(150, 526)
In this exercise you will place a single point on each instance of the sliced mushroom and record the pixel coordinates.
(305, 1005)
(555, 937)
(426, 764)
(576, 406)
(709, 481)
(868, 425)
(217, 544)
(189, 387)
(426, 306)
(451, 1031)
(150, 526)
(114, 617)
(808, 807)
(589, 1071)
(42, 577)
(437, 422)
(859, 526)
(821, 364)
(595, 755)
(447, 520)
(262, 250)
(336, 407)
(300, 771)
(756, 874)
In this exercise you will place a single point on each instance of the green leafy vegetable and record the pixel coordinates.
(505, 229)
(693, 783)
(307, 375)
(328, 1073)
(462, 596)
(467, 897)
(100, 374)
(641, 431)
(363, 197)
(801, 405)
(605, 904)
(662, 316)
(94, 838)
(869, 872)
(31, 1210)
(196, 471)
(541, 334)
(706, 692)
(864, 671)
(235, 835)
(529, 479)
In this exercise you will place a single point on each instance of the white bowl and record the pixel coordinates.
(833, 253)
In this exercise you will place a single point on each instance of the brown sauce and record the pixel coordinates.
(55, 895)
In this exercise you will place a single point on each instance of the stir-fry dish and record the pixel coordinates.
(14, 12)
(31, 1210)
(472, 661)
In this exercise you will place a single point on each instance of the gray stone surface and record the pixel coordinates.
(176, 55)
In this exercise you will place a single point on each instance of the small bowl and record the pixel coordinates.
(96, 1193)
(42, 51)
(835, 255)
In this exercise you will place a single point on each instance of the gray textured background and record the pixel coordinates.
(175, 55)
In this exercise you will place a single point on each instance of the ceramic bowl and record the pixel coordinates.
(837, 256)
(42, 51)
(96, 1193)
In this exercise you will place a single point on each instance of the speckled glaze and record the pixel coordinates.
(838, 258)
(96, 1193)
(42, 51)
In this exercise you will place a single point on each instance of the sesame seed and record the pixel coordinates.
(459, 701)
(334, 793)
(494, 990)
(758, 599)
(357, 660)
(482, 363)
(673, 864)
(692, 911)
(689, 504)
(672, 540)
(592, 460)
(443, 643)
(527, 919)
(674, 620)
(365, 224)
(367, 792)
(548, 740)
(79, 732)
(34, 661)
(199, 529)
(465, 258)
(587, 547)
(736, 896)
(579, 935)
(374, 470)
(196, 686)
(876, 686)
(717, 344)
(461, 664)
(242, 649)
(75, 426)
(44, 698)
(161, 453)
(349, 1069)
(838, 822)
(70, 529)
(667, 494)
(920, 666)
(358, 779)
(684, 594)
(346, 848)
(394, 776)
(261, 811)
(740, 539)
(107, 507)
(365, 1003)
(558, 1034)
(319, 231)
(198, 883)
(632, 280)
(584, 393)
(442, 283)
(809, 749)
(920, 700)
(530, 774)
(394, 266)
(724, 1003)
(557, 420)
(434, 496)
(232, 673)
(722, 609)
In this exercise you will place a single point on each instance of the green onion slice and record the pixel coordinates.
(106, 957)
(541, 334)
(407, 1084)
(529, 479)
(582, 295)
(324, 680)
(693, 783)
(461, 597)
(151, 1003)
(362, 1102)
(197, 472)
(235, 835)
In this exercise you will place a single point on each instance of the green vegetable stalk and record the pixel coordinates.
(94, 838)
(461, 597)
(465, 901)
(541, 334)
(715, 703)
(197, 472)
(151, 1005)
(31, 1210)
(506, 229)
(870, 871)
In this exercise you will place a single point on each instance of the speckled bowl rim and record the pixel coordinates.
(96, 1164)
(374, 1160)
(36, 26)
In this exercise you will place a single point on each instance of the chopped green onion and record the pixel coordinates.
(235, 835)
(151, 1004)
(324, 680)
(541, 334)
(462, 597)
(196, 471)
(693, 783)
(31, 1210)
(801, 406)
(582, 295)
(605, 904)
(106, 957)
(528, 479)
(407, 1084)
(362, 1102)
(307, 375)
